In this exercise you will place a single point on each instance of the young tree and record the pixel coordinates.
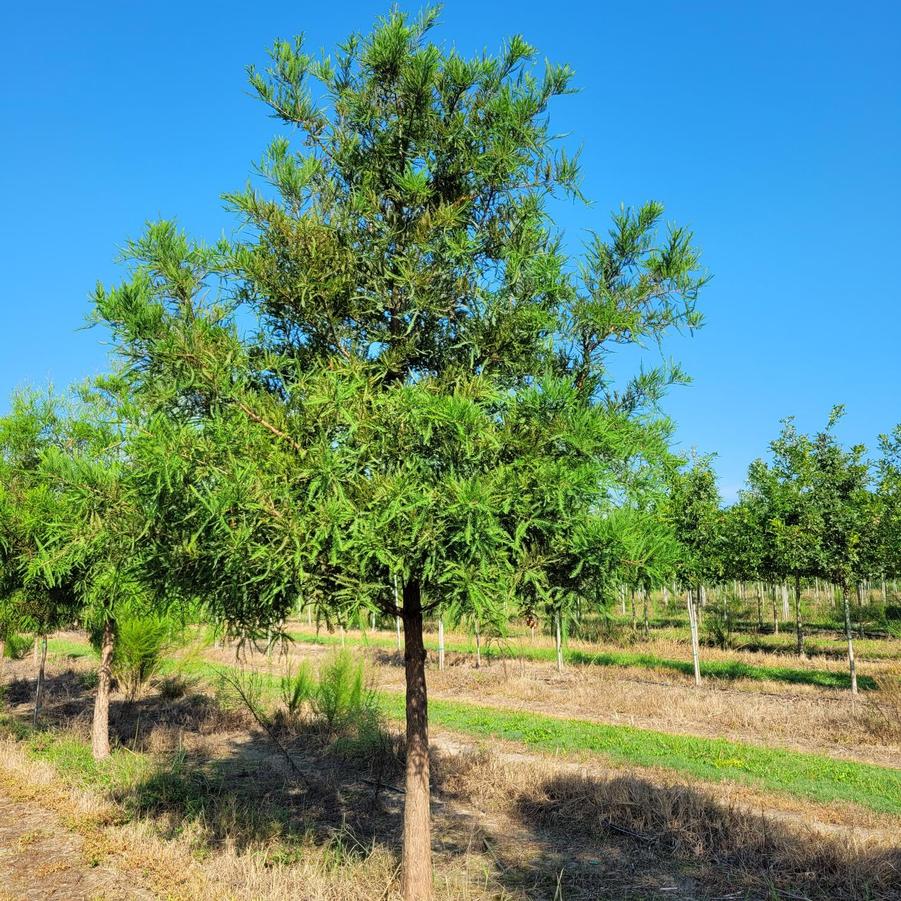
(889, 502)
(93, 542)
(427, 388)
(693, 513)
(782, 496)
(840, 510)
(32, 597)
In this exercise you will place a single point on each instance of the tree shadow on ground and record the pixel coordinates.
(628, 837)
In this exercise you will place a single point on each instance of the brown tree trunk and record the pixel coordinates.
(851, 663)
(440, 642)
(39, 688)
(100, 727)
(799, 627)
(417, 852)
(759, 607)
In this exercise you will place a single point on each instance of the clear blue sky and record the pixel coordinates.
(772, 128)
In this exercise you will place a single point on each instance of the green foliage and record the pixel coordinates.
(427, 397)
(18, 645)
(138, 651)
(298, 688)
(342, 699)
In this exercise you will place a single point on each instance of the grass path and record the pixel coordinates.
(714, 669)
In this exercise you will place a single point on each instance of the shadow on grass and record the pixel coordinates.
(715, 848)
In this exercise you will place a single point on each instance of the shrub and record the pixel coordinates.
(298, 688)
(342, 696)
(17, 646)
(140, 643)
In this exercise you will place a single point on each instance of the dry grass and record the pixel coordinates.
(729, 846)
(221, 818)
(800, 717)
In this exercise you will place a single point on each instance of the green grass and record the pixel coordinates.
(72, 758)
(63, 647)
(713, 669)
(812, 776)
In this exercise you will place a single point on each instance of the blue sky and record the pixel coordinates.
(772, 129)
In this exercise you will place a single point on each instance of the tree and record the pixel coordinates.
(889, 500)
(427, 387)
(694, 515)
(782, 495)
(32, 597)
(840, 510)
(93, 542)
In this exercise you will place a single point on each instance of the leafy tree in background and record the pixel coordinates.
(693, 513)
(643, 549)
(33, 599)
(94, 541)
(744, 546)
(841, 516)
(782, 493)
(426, 397)
(889, 500)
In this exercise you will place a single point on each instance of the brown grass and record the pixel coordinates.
(728, 846)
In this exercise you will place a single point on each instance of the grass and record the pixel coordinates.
(813, 776)
(71, 756)
(817, 777)
(74, 650)
(714, 669)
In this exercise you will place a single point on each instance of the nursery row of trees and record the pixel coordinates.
(391, 393)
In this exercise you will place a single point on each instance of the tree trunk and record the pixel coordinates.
(39, 688)
(703, 598)
(632, 601)
(799, 627)
(759, 607)
(851, 664)
(695, 646)
(441, 642)
(558, 642)
(860, 628)
(397, 618)
(478, 647)
(775, 613)
(647, 624)
(417, 851)
(785, 610)
(100, 728)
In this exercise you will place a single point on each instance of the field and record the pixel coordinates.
(615, 778)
